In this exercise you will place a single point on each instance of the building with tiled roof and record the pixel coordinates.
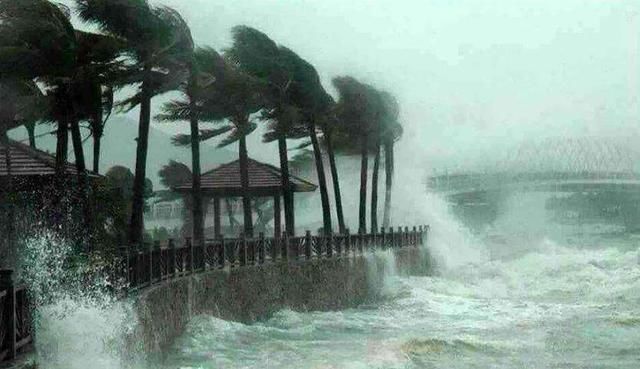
(264, 181)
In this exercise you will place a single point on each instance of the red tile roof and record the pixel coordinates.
(27, 161)
(262, 177)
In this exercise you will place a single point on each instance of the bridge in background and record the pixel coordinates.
(552, 165)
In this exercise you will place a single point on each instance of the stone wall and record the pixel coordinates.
(253, 293)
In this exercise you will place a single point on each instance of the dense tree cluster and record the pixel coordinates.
(55, 74)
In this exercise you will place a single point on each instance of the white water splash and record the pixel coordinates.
(79, 323)
(450, 244)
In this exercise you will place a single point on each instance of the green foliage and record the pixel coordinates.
(22, 103)
(156, 40)
(174, 174)
(363, 109)
(36, 39)
(221, 92)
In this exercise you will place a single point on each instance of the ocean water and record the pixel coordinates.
(524, 293)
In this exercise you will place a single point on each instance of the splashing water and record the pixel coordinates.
(551, 305)
(79, 322)
(554, 304)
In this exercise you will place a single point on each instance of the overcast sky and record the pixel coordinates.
(471, 76)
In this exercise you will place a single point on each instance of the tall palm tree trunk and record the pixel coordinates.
(98, 131)
(197, 208)
(322, 180)
(336, 181)
(97, 140)
(289, 219)
(364, 164)
(374, 188)
(136, 226)
(62, 146)
(388, 170)
(244, 179)
(31, 132)
(83, 181)
(6, 253)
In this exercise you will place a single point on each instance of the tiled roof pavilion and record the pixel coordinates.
(29, 162)
(264, 180)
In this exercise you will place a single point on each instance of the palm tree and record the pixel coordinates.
(98, 122)
(386, 130)
(374, 180)
(315, 103)
(259, 56)
(31, 133)
(391, 132)
(159, 44)
(229, 94)
(39, 42)
(358, 109)
(31, 48)
(328, 128)
(190, 110)
(99, 66)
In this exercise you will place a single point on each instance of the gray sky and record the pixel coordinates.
(471, 76)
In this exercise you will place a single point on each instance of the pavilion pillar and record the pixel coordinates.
(216, 217)
(277, 222)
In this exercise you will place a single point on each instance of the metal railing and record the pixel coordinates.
(16, 330)
(152, 263)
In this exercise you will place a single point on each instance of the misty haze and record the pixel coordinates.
(322, 184)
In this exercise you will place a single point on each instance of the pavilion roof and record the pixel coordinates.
(264, 180)
(27, 161)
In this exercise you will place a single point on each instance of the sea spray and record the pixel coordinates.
(382, 271)
(78, 320)
(451, 245)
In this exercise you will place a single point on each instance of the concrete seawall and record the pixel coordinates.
(253, 293)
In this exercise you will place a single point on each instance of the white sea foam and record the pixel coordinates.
(79, 323)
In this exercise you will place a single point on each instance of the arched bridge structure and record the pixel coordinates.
(551, 165)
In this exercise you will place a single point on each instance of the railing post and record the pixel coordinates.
(399, 237)
(171, 262)
(222, 252)
(425, 235)
(124, 251)
(285, 246)
(406, 236)
(361, 238)
(252, 251)
(391, 238)
(275, 246)
(372, 239)
(155, 245)
(347, 241)
(261, 248)
(307, 245)
(295, 248)
(329, 240)
(243, 249)
(140, 264)
(189, 248)
(383, 239)
(414, 236)
(6, 284)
